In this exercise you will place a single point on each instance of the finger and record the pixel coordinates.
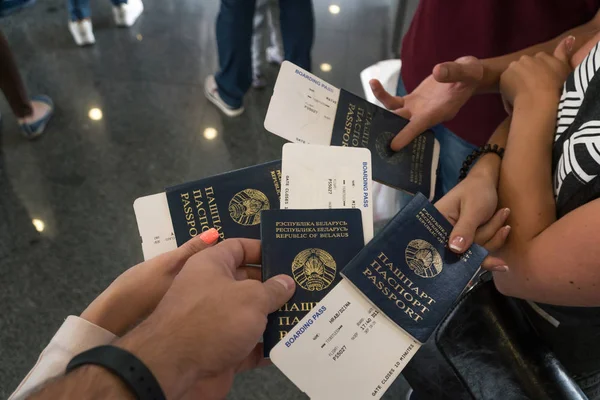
(494, 264)
(485, 232)
(403, 112)
(464, 69)
(233, 253)
(390, 102)
(448, 205)
(276, 292)
(558, 66)
(498, 240)
(564, 48)
(198, 243)
(463, 233)
(415, 127)
(243, 273)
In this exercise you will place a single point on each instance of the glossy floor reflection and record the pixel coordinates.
(131, 119)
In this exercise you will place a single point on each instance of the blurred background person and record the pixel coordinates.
(125, 13)
(266, 23)
(226, 89)
(32, 113)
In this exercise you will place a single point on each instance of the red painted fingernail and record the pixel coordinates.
(457, 243)
(210, 236)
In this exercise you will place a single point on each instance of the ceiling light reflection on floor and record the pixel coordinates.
(95, 114)
(210, 133)
(334, 9)
(39, 224)
(325, 67)
(139, 37)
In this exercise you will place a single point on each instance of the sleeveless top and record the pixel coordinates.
(574, 333)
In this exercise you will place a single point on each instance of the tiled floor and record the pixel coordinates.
(81, 178)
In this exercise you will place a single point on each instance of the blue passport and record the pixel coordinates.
(229, 202)
(359, 123)
(408, 272)
(312, 246)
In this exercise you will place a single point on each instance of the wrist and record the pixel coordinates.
(170, 364)
(540, 100)
(487, 168)
(490, 83)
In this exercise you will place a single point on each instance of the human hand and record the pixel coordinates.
(471, 207)
(537, 79)
(136, 292)
(208, 325)
(437, 99)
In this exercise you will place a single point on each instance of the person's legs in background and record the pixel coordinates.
(297, 31)
(125, 13)
(274, 52)
(258, 45)
(226, 89)
(8, 7)
(80, 24)
(33, 114)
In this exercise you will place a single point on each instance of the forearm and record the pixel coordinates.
(169, 367)
(87, 383)
(526, 173)
(494, 67)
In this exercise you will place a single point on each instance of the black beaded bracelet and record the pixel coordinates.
(127, 367)
(475, 155)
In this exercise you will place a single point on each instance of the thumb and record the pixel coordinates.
(198, 243)
(564, 49)
(464, 69)
(279, 289)
(463, 233)
(414, 128)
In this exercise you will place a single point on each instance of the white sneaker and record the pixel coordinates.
(82, 32)
(273, 55)
(126, 14)
(211, 91)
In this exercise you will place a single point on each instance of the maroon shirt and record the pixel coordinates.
(444, 30)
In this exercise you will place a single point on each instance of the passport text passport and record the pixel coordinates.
(229, 202)
(409, 273)
(312, 246)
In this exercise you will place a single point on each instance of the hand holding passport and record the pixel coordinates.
(363, 304)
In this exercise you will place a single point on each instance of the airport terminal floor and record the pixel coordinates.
(131, 118)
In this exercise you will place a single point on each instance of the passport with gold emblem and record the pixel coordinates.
(229, 202)
(408, 271)
(312, 246)
(391, 297)
(306, 109)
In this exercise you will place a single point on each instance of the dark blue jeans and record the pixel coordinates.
(80, 9)
(234, 39)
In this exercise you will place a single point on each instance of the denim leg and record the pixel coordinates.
(234, 38)
(258, 36)
(453, 151)
(297, 31)
(79, 9)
